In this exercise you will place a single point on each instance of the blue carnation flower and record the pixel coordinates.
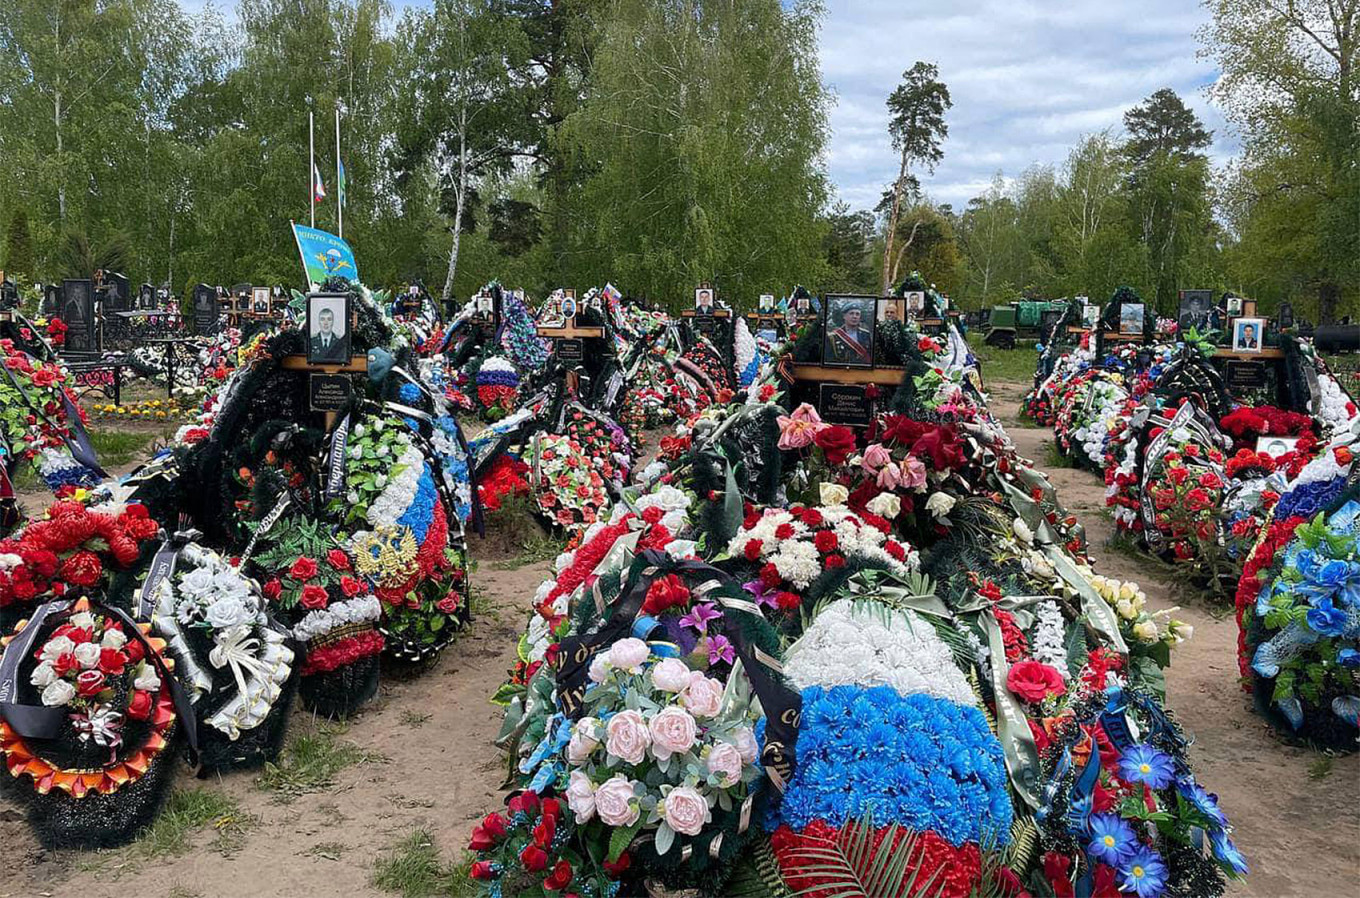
(1201, 800)
(1112, 839)
(1145, 764)
(1144, 873)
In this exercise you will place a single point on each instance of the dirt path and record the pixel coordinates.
(439, 770)
(1301, 836)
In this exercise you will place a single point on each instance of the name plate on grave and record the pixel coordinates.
(846, 404)
(329, 392)
(1246, 375)
(570, 350)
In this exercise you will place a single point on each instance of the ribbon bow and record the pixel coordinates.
(236, 649)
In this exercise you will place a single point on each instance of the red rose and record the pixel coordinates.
(483, 871)
(65, 663)
(112, 661)
(494, 824)
(533, 858)
(560, 878)
(665, 593)
(89, 683)
(350, 587)
(273, 589)
(837, 442)
(524, 801)
(1033, 681)
(303, 569)
(338, 559)
(752, 550)
(448, 604)
(134, 651)
(314, 597)
(81, 569)
(482, 839)
(139, 706)
(826, 541)
(1177, 475)
(551, 807)
(44, 377)
(544, 832)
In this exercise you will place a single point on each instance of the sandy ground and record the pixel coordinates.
(1300, 835)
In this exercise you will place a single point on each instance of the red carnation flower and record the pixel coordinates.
(81, 569)
(752, 550)
(665, 593)
(769, 576)
(826, 541)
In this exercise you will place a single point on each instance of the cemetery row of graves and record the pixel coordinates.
(817, 627)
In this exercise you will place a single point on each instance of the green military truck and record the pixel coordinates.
(1021, 319)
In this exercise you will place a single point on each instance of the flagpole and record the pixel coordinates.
(311, 163)
(339, 178)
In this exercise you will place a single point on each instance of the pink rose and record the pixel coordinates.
(626, 737)
(889, 477)
(703, 695)
(685, 810)
(875, 457)
(598, 671)
(581, 797)
(746, 744)
(673, 732)
(585, 738)
(726, 761)
(615, 802)
(629, 654)
(671, 675)
(797, 430)
(913, 472)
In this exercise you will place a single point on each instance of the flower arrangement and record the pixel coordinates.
(656, 752)
(36, 424)
(504, 478)
(529, 850)
(1305, 630)
(497, 387)
(102, 685)
(234, 661)
(71, 547)
(570, 477)
(1185, 485)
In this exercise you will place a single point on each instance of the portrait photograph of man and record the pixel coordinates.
(703, 301)
(1247, 334)
(328, 333)
(849, 332)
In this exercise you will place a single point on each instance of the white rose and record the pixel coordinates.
(670, 675)
(57, 647)
(114, 639)
(584, 740)
(885, 505)
(581, 797)
(833, 494)
(940, 504)
(83, 621)
(1022, 532)
(58, 693)
(746, 744)
(1125, 609)
(87, 654)
(1127, 591)
(147, 679)
(1146, 631)
(43, 675)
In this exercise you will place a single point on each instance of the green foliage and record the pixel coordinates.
(186, 812)
(18, 245)
(310, 762)
(413, 868)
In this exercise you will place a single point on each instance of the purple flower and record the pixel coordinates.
(719, 649)
(762, 595)
(699, 616)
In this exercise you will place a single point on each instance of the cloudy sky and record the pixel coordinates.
(1027, 77)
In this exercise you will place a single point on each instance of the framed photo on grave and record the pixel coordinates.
(848, 331)
(329, 334)
(1248, 334)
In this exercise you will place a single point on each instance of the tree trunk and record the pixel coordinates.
(1329, 293)
(892, 225)
(902, 251)
(459, 193)
(56, 125)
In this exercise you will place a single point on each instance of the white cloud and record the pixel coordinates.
(1027, 77)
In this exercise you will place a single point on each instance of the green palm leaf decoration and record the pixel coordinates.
(850, 867)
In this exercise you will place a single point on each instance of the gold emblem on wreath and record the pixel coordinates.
(387, 554)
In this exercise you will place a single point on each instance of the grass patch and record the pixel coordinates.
(1004, 365)
(414, 719)
(1321, 768)
(326, 851)
(187, 812)
(536, 549)
(413, 868)
(1055, 459)
(311, 762)
(118, 447)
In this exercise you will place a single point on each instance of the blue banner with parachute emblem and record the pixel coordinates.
(324, 256)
